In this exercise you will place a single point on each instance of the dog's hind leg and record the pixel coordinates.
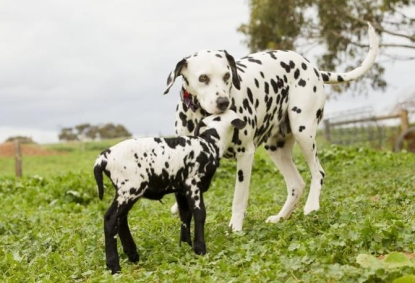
(280, 152)
(304, 130)
(317, 176)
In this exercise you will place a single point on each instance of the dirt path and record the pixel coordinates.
(7, 150)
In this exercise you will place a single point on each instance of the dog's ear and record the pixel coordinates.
(235, 77)
(198, 126)
(174, 74)
(238, 123)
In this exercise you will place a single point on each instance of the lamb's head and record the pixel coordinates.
(220, 128)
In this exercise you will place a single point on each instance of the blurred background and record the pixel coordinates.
(75, 70)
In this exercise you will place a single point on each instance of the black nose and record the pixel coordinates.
(222, 103)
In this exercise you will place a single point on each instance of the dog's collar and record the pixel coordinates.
(189, 100)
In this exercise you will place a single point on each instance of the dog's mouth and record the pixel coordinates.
(190, 100)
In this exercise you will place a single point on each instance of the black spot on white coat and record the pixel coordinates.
(240, 175)
(302, 83)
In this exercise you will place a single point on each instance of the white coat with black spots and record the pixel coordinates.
(281, 96)
(154, 167)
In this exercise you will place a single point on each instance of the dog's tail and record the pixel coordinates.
(336, 78)
(99, 167)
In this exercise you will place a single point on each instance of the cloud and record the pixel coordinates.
(84, 61)
(69, 62)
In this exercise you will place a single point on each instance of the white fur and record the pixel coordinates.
(282, 97)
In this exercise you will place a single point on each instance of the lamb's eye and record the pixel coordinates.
(226, 77)
(203, 79)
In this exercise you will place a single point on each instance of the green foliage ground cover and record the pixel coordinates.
(51, 225)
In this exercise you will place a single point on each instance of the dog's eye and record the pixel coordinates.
(203, 79)
(226, 77)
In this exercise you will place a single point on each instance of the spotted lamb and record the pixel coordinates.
(153, 167)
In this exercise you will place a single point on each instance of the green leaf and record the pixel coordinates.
(395, 260)
(410, 278)
(369, 261)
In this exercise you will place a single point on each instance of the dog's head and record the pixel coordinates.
(209, 76)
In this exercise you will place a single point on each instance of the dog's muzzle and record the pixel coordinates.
(222, 103)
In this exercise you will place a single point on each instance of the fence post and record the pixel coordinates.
(18, 158)
(327, 129)
(404, 120)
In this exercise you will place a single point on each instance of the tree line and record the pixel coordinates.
(87, 131)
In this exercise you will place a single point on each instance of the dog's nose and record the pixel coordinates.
(222, 103)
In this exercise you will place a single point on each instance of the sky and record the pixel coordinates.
(63, 63)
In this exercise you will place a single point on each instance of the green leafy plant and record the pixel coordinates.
(51, 224)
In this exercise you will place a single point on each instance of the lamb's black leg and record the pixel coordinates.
(199, 212)
(185, 217)
(127, 241)
(110, 232)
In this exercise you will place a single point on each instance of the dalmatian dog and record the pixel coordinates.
(280, 95)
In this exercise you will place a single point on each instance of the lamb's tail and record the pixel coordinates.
(98, 170)
(336, 78)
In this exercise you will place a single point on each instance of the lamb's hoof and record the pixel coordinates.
(185, 241)
(114, 269)
(200, 249)
(134, 258)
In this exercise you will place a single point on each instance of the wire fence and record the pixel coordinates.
(362, 127)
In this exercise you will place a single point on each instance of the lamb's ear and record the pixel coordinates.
(238, 123)
(235, 77)
(198, 126)
(174, 74)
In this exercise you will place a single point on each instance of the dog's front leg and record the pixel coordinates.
(243, 177)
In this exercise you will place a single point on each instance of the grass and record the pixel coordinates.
(51, 224)
(73, 157)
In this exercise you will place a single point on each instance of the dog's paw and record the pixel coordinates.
(236, 224)
(310, 207)
(274, 219)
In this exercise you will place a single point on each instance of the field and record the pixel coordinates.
(51, 224)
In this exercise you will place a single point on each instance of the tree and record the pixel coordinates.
(109, 131)
(82, 130)
(86, 131)
(67, 134)
(22, 139)
(339, 25)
